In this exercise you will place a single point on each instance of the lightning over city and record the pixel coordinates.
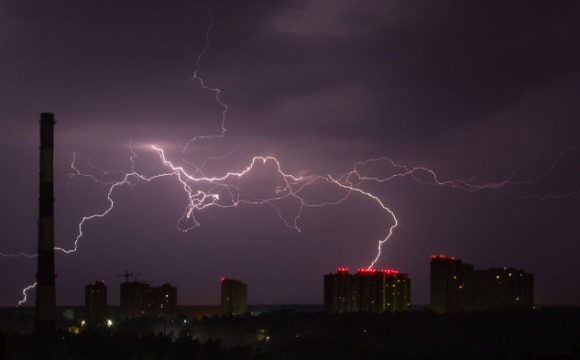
(281, 140)
(224, 191)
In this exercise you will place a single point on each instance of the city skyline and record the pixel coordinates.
(455, 275)
(494, 104)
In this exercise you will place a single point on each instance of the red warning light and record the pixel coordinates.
(390, 271)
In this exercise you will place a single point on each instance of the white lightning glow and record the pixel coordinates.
(24, 293)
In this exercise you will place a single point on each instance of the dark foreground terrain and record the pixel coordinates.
(552, 333)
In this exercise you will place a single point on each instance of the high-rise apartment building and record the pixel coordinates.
(140, 299)
(136, 300)
(457, 286)
(397, 290)
(499, 288)
(165, 302)
(96, 303)
(340, 292)
(452, 286)
(234, 297)
(367, 290)
(369, 284)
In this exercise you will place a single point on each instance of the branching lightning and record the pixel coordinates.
(225, 191)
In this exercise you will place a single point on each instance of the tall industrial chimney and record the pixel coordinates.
(45, 288)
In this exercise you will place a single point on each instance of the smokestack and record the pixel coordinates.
(45, 289)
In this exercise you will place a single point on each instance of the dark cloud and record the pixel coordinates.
(434, 68)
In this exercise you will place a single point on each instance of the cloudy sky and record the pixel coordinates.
(467, 89)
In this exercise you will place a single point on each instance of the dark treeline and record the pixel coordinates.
(552, 333)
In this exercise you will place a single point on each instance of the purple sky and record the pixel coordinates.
(464, 89)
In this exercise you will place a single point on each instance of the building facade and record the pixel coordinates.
(397, 291)
(165, 303)
(136, 300)
(96, 303)
(340, 292)
(499, 288)
(457, 286)
(367, 291)
(140, 299)
(234, 297)
(452, 284)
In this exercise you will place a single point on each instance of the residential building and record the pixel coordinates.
(234, 297)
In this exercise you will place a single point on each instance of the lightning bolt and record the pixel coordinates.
(470, 185)
(24, 295)
(226, 191)
(22, 254)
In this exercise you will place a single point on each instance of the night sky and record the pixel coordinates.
(468, 89)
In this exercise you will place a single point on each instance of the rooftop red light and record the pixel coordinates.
(367, 271)
(389, 271)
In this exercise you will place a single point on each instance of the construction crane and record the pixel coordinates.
(127, 274)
